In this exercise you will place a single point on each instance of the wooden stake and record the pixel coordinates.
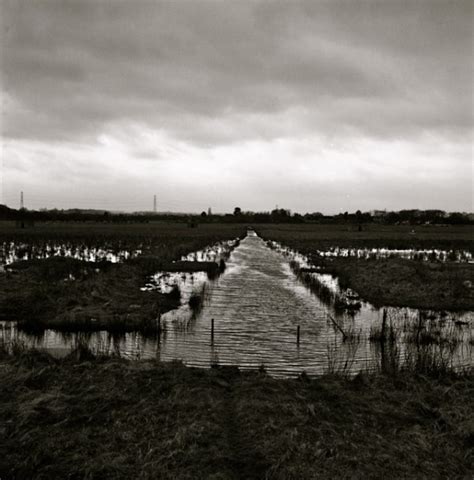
(384, 323)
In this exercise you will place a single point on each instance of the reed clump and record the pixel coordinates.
(196, 300)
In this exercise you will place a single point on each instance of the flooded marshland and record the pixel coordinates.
(11, 252)
(264, 314)
(433, 255)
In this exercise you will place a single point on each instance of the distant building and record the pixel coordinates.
(378, 213)
(378, 216)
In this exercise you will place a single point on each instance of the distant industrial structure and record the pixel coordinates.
(154, 204)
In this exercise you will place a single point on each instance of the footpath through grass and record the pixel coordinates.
(391, 281)
(114, 419)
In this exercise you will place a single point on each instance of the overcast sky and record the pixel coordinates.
(314, 106)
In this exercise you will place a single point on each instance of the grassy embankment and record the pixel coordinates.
(391, 281)
(39, 294)
(113, 419)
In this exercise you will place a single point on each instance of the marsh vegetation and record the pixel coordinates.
(58, 291)
(429, 267)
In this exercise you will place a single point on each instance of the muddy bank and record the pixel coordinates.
(97, 418)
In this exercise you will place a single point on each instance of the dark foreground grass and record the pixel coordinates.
(392, 281)
(112, 419)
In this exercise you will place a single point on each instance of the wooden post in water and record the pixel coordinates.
(212, 331)
(418, 331)
(384, 324)
(383, 359)
(298, 335)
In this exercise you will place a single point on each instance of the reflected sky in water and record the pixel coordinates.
(257, 305)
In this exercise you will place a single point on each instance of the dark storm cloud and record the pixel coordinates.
(379, 68)
(369, 101)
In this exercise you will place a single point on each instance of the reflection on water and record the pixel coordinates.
(189, 282)
(432, 255)
(215, 253)
(257, 305)
(164, 282)
(11, 252)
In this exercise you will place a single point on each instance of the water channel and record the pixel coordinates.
(257, 306)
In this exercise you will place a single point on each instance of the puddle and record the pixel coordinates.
(219, 251)
(433, 255)
(11, 252)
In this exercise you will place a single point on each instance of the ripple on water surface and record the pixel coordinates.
(256, 305)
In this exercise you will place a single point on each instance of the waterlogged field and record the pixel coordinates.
(433, 255)
(428, 267)
(253, 303)
(64, 292)
(12, 252)
(94, 242)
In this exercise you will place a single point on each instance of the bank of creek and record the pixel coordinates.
(257, 305)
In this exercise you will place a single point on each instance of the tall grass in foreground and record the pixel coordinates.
(341, 361)
(428, 345)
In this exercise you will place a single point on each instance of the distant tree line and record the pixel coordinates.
(278, 215)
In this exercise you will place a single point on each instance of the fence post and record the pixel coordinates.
(212, 331)
(384, 323)
(418, 331)
(298, 335)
